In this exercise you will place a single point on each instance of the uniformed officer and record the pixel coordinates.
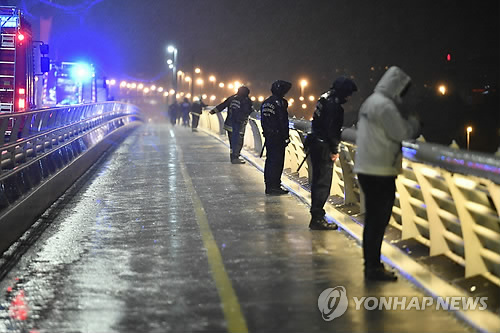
(322, 145)
(274, 120)
(239, 109)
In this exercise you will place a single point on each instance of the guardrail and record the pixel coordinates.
(43, 152)
(447, 199)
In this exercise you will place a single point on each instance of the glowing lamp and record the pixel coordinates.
(82, 72)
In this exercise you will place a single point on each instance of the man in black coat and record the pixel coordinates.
(228, 121)
(274, 120)
(239, 107)
(322, 145)
(196, 109)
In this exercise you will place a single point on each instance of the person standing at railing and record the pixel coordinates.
(381, 129)
(274, 120)
(239, 107)
(196, 109)
(322, 145)
(227, 122)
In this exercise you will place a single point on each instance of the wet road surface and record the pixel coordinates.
(168, 236)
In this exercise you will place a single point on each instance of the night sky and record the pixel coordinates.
(260, 41)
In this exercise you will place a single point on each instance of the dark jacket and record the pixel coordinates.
(274, 117)
(198, 106)
(328, 120)
(241, 107)
(222, 106)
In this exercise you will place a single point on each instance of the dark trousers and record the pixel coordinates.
(380, 192)
(322, 172)
(275, 161)
(195, 120)
(237, 138)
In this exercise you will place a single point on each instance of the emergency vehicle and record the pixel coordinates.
(17, 90)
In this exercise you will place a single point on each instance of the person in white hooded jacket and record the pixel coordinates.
(380, 130)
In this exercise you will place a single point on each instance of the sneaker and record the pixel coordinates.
(379, 273)
(238, 160)
(276, 191)
(322, 224)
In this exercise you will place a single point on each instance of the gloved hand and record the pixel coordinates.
(213, 111)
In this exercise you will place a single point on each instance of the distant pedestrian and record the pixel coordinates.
(380, 130)
(196, 109)
(323, 146)
(173, 110)
(274, 120)
(185, 108)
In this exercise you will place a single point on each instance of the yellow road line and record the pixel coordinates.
(230, 306)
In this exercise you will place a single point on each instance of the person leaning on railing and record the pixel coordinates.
(322, 144)
(381, 129)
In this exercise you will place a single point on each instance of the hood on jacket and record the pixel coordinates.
(343, 87)
(243, 91)
(280, 88)
(393, 84)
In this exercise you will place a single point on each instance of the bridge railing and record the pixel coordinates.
(447, 199)
(43, 152)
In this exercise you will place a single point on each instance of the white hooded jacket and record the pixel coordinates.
(381, 128)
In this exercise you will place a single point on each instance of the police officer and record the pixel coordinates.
(196, 109)
(322, 145)
(274, 120)
(228, 122)
(239, 108)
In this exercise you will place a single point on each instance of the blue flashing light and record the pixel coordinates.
(81, 72)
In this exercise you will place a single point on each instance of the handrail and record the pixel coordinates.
(51, 149)
(447, 199)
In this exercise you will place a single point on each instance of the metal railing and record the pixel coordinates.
(447, 199)
(43, 152)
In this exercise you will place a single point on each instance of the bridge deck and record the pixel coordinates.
(167, 235)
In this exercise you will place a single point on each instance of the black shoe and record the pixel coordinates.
(379, 273)
(322, 224)
(238, 160)
(276, 191)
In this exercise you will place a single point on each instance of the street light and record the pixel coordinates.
(172, 49)
(303, 84)
(200, 83)
(469, 131)
(197, 70)
(189, 81)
